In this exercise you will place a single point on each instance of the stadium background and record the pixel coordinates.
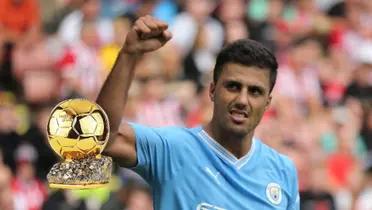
(321, 115)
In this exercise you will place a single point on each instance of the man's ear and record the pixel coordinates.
(212, 88)
(268, 102)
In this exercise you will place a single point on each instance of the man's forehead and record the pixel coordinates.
(238, 66)
(246, 74)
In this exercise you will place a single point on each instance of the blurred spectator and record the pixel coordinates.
(172, 65)
(133, 195)
(305, 19)
(200, 112)
(154, 106)
(63, 200)
(235, 30)
(233, 17)
(117, 200)
(198, 64)
(83, 71)
(355, 34)
(37, 137)
(335, 74)
(342, 161)
(53, 12)
(298, 88)
(318, 194)
(363, 201)
(344, 164)
(33, 66)
(366, 131)
(198, 37)
(18, 19)
(7, 78)
(265, 26)
(361, 87)
(140, 8)
(196, 19)
(6, 196)
(139, 198)
(343, 125)
(234, 10)
(109, 51)
(9, 122)
(29, 192)
(93, 199)
(71, 26)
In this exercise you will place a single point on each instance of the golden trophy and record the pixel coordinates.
(78, 131)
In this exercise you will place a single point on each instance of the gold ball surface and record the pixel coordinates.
(78, 128)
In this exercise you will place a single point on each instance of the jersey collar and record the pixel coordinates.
(226, 155)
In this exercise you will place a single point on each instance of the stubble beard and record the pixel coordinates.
(232, 130)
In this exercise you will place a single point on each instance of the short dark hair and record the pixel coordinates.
(246, 52)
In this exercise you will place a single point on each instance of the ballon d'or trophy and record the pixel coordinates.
(78, 131)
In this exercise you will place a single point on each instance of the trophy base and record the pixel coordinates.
(76, 186)
(90, 172)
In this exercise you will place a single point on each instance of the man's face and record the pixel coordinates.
(240, 96)
(91, 9)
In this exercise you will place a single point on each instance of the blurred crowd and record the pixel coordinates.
(320, 116)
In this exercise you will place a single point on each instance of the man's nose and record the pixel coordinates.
(242, 98)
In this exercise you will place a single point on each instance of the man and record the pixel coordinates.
(219, 166)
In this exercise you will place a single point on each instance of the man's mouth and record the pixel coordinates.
(238, 116)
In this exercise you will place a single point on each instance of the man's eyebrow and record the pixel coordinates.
(232, 81)
(238, 81)
(257, 86)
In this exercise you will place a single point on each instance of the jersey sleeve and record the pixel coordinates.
(157, 156)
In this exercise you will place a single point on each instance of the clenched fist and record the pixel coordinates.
(147, 34)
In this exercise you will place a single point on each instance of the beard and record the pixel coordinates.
(230, 121)
(228, 127)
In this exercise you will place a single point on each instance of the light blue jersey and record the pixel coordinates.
(188, 170)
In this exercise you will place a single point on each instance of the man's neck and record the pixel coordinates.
(235, 144)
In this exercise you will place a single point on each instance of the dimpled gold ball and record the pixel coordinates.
(78, 128)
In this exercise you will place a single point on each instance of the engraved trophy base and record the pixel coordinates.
(86, 173)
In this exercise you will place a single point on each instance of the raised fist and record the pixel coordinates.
(147, 34)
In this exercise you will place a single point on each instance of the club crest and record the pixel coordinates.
(274, 193)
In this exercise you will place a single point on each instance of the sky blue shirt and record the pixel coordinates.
(188, 170)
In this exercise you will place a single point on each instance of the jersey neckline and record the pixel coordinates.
(226, 155)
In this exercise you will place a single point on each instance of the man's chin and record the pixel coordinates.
(238, 130)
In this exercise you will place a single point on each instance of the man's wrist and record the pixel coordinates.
(130, 53)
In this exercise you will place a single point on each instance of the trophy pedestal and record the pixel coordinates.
(90, 172)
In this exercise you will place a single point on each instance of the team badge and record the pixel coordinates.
(274, 193)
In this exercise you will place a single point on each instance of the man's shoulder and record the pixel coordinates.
(168, 132)
(275, 157)
(181, 130)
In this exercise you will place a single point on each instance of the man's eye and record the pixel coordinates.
(255, 91)
(233, 86)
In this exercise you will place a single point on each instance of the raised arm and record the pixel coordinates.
(147, 34)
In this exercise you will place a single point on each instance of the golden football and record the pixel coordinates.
(78, 128)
